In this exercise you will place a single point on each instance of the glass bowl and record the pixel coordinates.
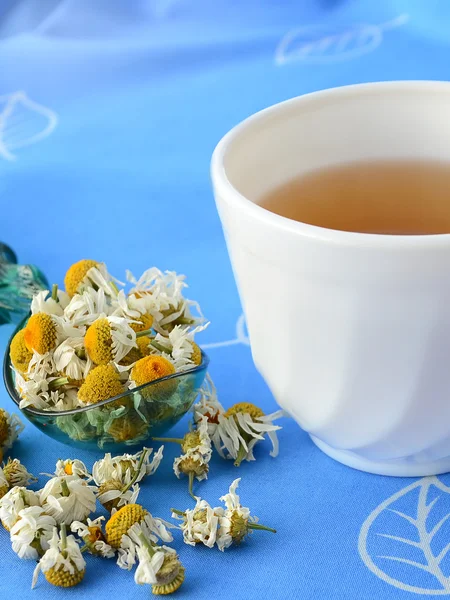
(128, 420)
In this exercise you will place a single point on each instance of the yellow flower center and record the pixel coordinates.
(3, 490)
(107, 486)
(196, 355)
(151, 368)
(121, 521)
(76, 274)
(4, 427)
(40, 333)
(192, 465)
(98, 342)
(19, 353)
(62, 578)
(68, 469)
(143, 345)
(145, 322)
(102, 383)
(95, 534)
(128, 427)
(239, 527)
(245, 407)
(169, 588)
(191, 440)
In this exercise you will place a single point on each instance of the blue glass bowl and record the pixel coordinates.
(125, 421)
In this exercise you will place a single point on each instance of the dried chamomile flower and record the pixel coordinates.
(149, 528)
(19, 353)
(150, 368)
(194, 462)
(208, 406)
(71, 360)
(43, 332)
(118, 477)
(164, 294)
(93, 537)
(78, 275)
(236, 522)
(31, 532)
(87, 307)
(102, 383)
(109, 339)
(241, 427)
(68, 499)
(17, 474)
(157, 566)
(179, 344)
(127, 427)
(50, 303)
(4, 485)
(199, 525)
(63, 564)
(121, 521)
(72, 467)
(10, 428)
(124, 467)
(13, 502)
(133, 309)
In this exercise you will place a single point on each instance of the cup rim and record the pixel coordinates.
(231, 195)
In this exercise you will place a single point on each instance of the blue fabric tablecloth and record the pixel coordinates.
(109, 112)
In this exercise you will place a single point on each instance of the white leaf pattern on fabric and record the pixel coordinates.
(23, 122)
(404, 541)
(241, 336)
(323, 44)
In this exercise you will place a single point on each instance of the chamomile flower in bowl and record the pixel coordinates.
(102, 366)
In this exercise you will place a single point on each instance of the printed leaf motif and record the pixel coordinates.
(322, 44)
(23, 122)
(404, 541)
(241, 336)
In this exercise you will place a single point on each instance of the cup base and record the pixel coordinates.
(401, 467)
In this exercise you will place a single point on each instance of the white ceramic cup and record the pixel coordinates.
(351, 331)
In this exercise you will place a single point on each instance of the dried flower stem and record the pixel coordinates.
(138, 468)
(55, 292)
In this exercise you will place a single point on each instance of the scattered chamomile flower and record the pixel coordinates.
(148, 528)
(31, 532)
(236, 523)
(157, 565)
(208, 406)
(72, 467)
(10, 428)
(118, 477)
(17, 474)
(13, 502)
(102, 383)
(93, 537)
(199, 525)
(68, 499)
(19, 353)
(196, 447)
(121, 521)
(241, 427)
(4, 485)
(63, 564)
(109, 339)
